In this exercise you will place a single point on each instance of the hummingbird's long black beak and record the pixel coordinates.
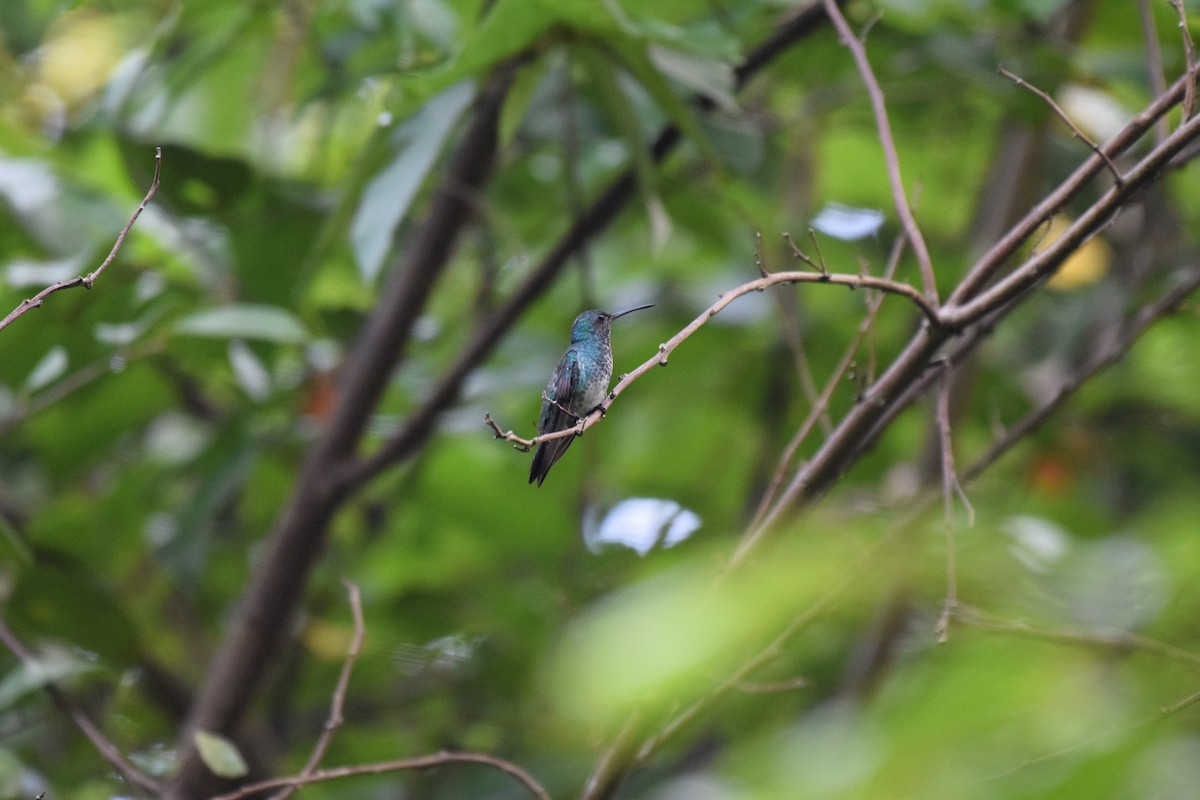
(631, 310)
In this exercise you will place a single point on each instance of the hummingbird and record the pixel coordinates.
(577, 386)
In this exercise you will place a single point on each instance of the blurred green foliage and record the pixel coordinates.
(150, 428)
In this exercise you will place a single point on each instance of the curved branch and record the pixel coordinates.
(86, 281)
(420, 762)
(337, 706)
(891, 156)
(664, 350)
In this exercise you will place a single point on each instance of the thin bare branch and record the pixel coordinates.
(1121, 641)
(891, 157)
(949, 481)
(1189, 53)
(664, 350)
(1057, 109)
(399, 765)
(1042, 263)
(983, 272)
(86, 281)
(338, 704)
(893, 389)
(1154, 63)
(109, 751)
(821, 407)
(1114, 350)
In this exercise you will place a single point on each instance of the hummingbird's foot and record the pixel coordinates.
(602, 409)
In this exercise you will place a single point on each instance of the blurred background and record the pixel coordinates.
(152, 428)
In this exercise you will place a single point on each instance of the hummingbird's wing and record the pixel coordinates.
(564, 384)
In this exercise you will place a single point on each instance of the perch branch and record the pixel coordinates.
(664, 350)
(86, 281)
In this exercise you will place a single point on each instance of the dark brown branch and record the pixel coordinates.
(1057, 109)
(278, 581)
(891, 156)
(109, 751)
(420, 762)
(86, 281)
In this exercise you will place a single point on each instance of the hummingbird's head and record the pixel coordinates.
(589, 324)
(597, 323)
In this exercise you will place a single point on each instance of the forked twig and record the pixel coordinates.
(1075, 131)
(86, 281)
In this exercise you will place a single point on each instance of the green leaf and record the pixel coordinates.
(390, 193)
(617, 104)
(53, 666)
(245, 321)
(65, 601)
(636, 59)
(220, 755)
(49, 369)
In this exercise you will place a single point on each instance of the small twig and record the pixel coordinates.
(86, 281)
(1174, 708)
(1121, 641)
(337, 706)
(1115, 349)
(1154, 64)
(1057, 109)
(891, 156)
(758, 257)
(664, 350)
(949, 483)
(819, 264)
(821, 406)
(1189, 52)
(106, 748)
(789, 321)
(776, 687)
(398, 765)
(764, 656)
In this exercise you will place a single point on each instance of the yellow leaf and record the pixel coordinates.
(1084, 267)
